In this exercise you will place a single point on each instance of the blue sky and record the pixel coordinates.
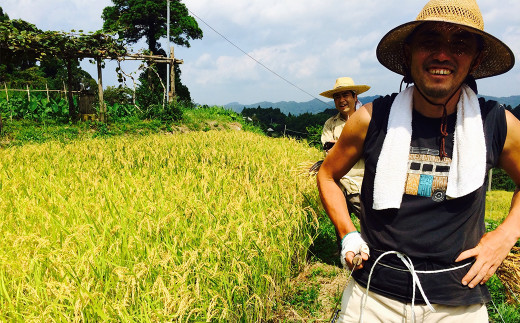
(305, 44)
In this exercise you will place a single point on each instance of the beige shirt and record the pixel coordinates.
(331, 131)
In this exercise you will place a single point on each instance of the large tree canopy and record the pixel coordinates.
(133, 20)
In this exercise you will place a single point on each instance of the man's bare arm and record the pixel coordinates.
(494, 246)
(341, 158)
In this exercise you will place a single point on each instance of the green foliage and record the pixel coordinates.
(516, 111)
(18, 133)
(122, 121)
(502, 181)
(103, 130)
(38, 108)
(118, 94)
(33, 77)
(304, 126)
(324, 247)
(181, 90)
(29, 39)
(499, 310)
(133, 20)
(3, 16)
(172, 112)
(266, 118)
(150, 91)
(306, 297)
(152, 86)
(23, 45)
(314, 137)
(117, 111)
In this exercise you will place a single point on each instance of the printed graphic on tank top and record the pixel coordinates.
(427, 174)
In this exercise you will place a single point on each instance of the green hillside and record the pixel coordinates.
(199, 219)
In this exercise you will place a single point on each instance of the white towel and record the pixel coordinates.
(468, 165)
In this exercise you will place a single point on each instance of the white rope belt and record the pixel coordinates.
(416, 282)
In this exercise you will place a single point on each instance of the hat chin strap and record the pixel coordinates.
(444, 118)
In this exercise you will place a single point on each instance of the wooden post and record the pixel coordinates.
(72, 114)
(102, 108)
(64, 91)
(490, 179)
(6, 93)
(171, 94)
(28, 93)
(47, 88)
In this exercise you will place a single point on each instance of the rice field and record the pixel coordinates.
(497, 205)
(203, 226)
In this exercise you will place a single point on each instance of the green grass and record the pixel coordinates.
(21, 132)
(497, 208)
(497, 205)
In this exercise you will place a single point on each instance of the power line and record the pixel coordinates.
(258, 62)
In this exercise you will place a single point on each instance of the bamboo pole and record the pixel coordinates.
(171, 93)
(102, 108)
(490, 179)
(170, 52)
(72, 112)
(7, 98)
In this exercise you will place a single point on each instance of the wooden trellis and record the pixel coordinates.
(154, 58)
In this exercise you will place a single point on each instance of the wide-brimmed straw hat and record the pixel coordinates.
(497, 58)
(345, 84)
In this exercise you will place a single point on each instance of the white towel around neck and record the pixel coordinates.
(468, 166)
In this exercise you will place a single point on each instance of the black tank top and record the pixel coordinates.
(429, 228)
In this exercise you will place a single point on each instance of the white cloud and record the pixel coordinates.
(309, 43)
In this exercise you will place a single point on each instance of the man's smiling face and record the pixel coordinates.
(441, 55)
(345, 101)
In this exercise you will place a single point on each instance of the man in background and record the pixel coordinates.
(345, 94)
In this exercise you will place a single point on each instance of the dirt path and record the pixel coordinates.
(313, 294)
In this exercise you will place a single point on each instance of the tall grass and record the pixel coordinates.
(497, 208)
(498, 204)
(203, 226)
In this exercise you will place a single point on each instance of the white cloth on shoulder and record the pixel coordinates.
(468, 165)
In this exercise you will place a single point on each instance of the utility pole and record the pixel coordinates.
(171, 94)
(168, 40)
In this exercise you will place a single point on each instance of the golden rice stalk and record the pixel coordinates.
(509, 275)
(310, 168)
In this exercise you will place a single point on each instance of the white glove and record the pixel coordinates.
(352, 242)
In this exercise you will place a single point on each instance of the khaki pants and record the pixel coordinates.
(383, 309)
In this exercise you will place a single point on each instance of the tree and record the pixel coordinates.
(516, 112)
(3, 16)
(134, 20)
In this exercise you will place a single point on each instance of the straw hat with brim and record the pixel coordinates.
(497, 58)
(345, 84)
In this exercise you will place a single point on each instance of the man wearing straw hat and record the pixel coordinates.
(345, 94)
(427, 150)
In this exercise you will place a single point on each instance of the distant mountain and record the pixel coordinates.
(513, 101)
(295, 108)
(315, 106)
